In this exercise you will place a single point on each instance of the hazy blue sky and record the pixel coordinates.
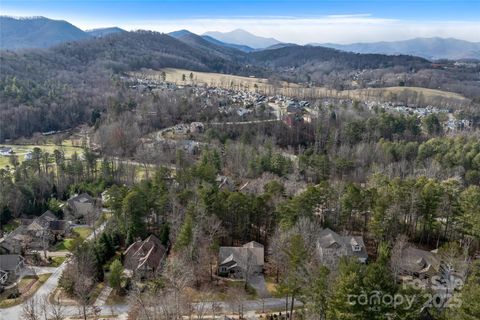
(291, 21)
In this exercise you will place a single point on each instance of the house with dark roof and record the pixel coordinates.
(235, 262)
(418, 263)
(15, 241)
(11, 266)
(331, 247)
(80, 206)
(35, 233)
(145, 258)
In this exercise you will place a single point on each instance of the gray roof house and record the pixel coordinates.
(34, 233)
(331, 247)
(10, 265)
(236, 261)
(419, 263)
(80, 205)
(15, 240)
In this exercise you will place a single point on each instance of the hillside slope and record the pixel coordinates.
(38, 32)
(430, 48)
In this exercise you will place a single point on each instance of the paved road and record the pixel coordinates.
(46, 289)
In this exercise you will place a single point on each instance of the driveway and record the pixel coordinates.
(257, 281)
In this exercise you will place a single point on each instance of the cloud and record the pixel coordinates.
(334, 28)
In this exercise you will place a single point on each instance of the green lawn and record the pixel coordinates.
(57, 261)
(12, 225)
(66, 244)
(21, 150)
(82, 232)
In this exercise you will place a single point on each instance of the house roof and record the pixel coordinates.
(43, 221)
(147, 253)
(58, 225)
(9, 262)
(47, 221)
(419, 261)
(81, 198)
(82, 203)
(329, 239)
(251, 250)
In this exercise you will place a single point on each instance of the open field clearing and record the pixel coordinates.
(21, 150)
(429, 96)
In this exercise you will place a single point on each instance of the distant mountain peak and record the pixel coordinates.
(179, 33)
(37, 32)
(242, 37)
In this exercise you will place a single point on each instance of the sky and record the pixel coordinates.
(297, 21)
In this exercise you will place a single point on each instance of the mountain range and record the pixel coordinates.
(41, 32)
(429, 48)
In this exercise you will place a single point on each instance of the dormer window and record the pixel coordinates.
(356, 248)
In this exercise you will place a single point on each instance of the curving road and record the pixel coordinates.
(46, 289)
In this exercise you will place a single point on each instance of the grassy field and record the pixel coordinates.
(57, 261)
(226, 81)
(82, 232)
(65, 245)
(21, 150)
(79, 233)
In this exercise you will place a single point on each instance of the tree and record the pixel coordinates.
(432, 124)
(470, 206)
(348, 283)
(116, 275)
(317, 293)
(31, 310)
(133, 210)
(83, 277)
(465, 305)
(297, 258)
(185, 234)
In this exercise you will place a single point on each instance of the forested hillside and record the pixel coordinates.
(37, 32)
(59, 87)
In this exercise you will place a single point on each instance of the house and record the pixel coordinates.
(292, 119)
(331, 247)
(237, 261)
(6, 151)
(11, 266)
(145, 258)
(418, 263)
(80, 206)
(15, 241)
(35, 233)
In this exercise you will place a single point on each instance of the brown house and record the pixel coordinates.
(145, 258)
